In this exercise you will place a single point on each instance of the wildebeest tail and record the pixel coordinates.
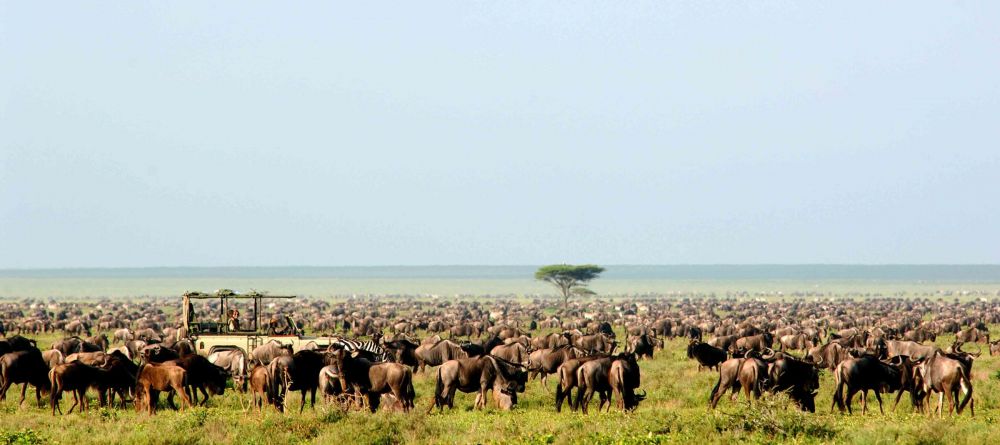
(438, 387)
(965, 382)
(409, 392)
(715, 388)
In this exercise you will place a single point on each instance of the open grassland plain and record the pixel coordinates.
(675, 412)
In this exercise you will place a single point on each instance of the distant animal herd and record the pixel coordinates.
(129, 351)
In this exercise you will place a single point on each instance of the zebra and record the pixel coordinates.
(371, 346)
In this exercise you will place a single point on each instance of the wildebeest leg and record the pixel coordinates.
(154, 397)
(24, 392)
(204, 396)
(312, 402)
(76, 400)
(85, 406)
(864, 401)
(587, 397)
(878, 396)
(899, 395)
(850, 399)
(170, 399)
(940, 407)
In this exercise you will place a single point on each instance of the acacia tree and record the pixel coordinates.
(569, 279)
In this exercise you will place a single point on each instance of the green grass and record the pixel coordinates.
(675, 412)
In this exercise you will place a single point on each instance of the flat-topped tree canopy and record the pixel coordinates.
(228, 293)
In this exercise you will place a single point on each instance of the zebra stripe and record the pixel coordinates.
(367, 345)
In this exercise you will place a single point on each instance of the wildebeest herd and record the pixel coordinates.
(129, 351)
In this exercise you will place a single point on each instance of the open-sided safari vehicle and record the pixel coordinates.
(219, 329)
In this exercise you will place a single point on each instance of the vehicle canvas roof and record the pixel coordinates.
(226, 293)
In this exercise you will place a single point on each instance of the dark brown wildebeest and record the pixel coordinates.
(155, 378)
(708, 356)
(404, 352)
(78, 328)
(624, 378)
(263, 354)
(477, 349)
(757, 342)
(77, 378)
(546, 361)
(796, 342)
(100, 340)
(827, 356)
(202, 376)
(372, 380)
(800, 379)
(235, 363)
(591, 377)
(157, 353)
(729, 378)
(946, 376)
(437, 353)
(550, 341)
(599, 343)
(868, 373)
(920, 335)
(567, 380)
(478, 374)
(25, 367)
(724, 342)
(298, 372)
(972, 335)
(122, 374)
(514, 352)
(640, 345)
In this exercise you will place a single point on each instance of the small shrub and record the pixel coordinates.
(22, 437)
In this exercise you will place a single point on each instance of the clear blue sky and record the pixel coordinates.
(215, 133)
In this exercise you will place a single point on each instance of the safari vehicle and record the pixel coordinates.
(217, 331)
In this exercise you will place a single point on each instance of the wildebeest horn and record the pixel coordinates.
(641, 397)
(979, 351)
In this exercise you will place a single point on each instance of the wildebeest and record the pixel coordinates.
(640, 345)
(800, 379)
(372, 380)
(599, 343)
(77, 378)
(973, 335)
(911, 349)
(868, 373)
(749, 373)
(260, 388)
(265, 353)
(757, 342)
(568, 381)
(478, 374)
(235, 363)
(946, 376)
(796, 342)
(707, 355)
(298, 372)
(724, 342)
(625, 379)
(25, 367)
(154, 378)
(437, 353)
(546, 361)
(827, 356)
(202, 376)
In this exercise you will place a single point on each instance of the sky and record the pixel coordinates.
(438, 133)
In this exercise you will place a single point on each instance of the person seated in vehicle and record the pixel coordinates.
(234, 320)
